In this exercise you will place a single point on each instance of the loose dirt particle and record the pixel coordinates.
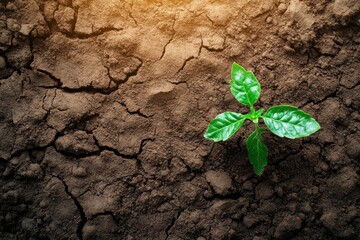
(287, 226)
(79, 171)
(26, 29)
(220, 181)
(32, 171)
(263, 191)
(49, 9)
(250, 220)
(64, 17)
(346, 181)
(337, 222)
(352, 146)
(282, 8)
(214, 42)
(78, 143)
(12, 25)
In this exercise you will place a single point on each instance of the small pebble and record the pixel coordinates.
(289, 49)
(127, 70)
(208, 194)
(26, 29)
(348, 102)
(282, 8)
(269, 20)
(44, 203)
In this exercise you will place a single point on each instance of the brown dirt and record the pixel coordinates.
(103, 106)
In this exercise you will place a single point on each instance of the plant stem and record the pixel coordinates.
(252, 109)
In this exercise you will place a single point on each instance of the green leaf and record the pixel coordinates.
(290, 122)
(257, 151)
(244, 85)
(224, 126)
(258, 113)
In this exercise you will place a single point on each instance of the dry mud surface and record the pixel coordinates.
(103, 106)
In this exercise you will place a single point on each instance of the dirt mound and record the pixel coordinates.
(103, 106)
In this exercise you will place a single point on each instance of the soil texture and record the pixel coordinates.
(104, 103)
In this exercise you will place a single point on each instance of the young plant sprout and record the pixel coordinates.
(283, 120)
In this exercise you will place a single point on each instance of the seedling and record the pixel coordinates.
(283, 120)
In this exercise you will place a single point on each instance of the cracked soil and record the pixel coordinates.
(103, 106)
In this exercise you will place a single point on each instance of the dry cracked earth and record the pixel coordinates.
(103, 106)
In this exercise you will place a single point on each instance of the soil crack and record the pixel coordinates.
(184, 64)
(55, 79)
(86, 89)
(172, 223)
(51, 105)
(169, 41)
(118, 153)
(105, 213)
(83, 218)
(212, 21)
(101, 31)
(130, 14)
(191, 58)
(137, 112)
